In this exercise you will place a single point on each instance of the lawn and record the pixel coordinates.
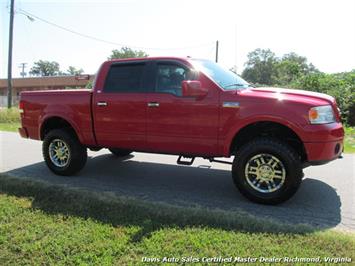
(9, 119)
(9, 127)
(349, 143)
(42, 224)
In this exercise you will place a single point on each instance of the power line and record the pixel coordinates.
(30, 16)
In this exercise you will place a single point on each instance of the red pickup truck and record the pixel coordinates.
(191, 108)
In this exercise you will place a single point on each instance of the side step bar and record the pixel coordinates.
(186, 162)
(218, 161)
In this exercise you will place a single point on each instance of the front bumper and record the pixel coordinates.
(323, 152)
(323, 143)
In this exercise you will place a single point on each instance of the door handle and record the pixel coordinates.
(101, 103)
(153, 104)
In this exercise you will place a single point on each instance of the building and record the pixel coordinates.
(41, 83)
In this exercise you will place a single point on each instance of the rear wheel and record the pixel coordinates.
(267, 171)
(120, 152)
(63, 153)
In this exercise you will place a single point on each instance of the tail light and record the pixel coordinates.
(21, 107)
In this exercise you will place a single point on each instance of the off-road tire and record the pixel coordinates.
(78, 152)
(280, 150)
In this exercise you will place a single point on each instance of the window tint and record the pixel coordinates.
(169, 78)
(124, 78)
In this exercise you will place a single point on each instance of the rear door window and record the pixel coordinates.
(125, 78)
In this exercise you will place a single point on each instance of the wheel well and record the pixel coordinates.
(269, 129)
(55, 123)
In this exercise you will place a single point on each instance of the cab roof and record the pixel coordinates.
(150, 58)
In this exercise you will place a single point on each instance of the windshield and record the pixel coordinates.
(223, 77)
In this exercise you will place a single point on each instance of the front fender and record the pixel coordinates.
(235, 129)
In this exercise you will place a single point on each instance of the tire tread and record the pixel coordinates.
(78, 152)
(279, 147)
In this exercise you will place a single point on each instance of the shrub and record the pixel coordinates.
(9, 115)
(340, 85)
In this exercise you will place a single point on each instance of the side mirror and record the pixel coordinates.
(193, 88)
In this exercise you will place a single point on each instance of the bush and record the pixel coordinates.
(340, 85)
(9, 115)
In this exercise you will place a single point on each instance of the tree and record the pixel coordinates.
(260, 66)
(126, 52)
(294, 71)
(234, 69)
(339, 85)
(292, 67)
(45, 68)
(74, 71)
(89, 85)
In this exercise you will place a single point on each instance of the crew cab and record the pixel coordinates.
(190, 108)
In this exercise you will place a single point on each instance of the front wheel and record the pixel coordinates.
(63, 153)
(267, 171)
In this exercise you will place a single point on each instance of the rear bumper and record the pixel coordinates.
(23, 132)
(323, 152)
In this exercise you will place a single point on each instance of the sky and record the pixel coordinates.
(322, 31)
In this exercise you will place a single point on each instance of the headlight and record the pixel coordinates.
(321, 115)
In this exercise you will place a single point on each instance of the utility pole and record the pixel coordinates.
(23, 66)
(9, 61)
(236, 49)
(216, 51)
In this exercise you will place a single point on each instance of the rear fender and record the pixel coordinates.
(43, 119)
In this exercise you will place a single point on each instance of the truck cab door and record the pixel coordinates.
(120, 107)
(178, 124)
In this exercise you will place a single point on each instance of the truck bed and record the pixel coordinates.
(74, 105)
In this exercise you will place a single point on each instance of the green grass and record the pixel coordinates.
(11, 115)
(12, 127)
(9, 119)
(349, 143)
(44, 224)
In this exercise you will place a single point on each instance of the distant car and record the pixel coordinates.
(191, 108)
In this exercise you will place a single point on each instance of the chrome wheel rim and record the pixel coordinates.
(59, 153)
(265, 173)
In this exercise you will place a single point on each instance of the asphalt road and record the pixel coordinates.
(325, 200)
